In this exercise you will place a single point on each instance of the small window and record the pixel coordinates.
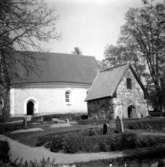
(67, 96)
(1, 105)
(129, 83)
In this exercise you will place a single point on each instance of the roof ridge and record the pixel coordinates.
(56, 53)
(116, 66)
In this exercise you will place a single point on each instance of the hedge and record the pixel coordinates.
(48, 117)
(4, 151)
(10, 126)
(73, 143)
(146, 123)
(19, 163)
(156, 114)
(44, 140)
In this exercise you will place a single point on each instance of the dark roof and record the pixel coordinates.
(107, 81)
(59, 67)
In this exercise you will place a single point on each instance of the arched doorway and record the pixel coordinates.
(131, 111)
(30, 107)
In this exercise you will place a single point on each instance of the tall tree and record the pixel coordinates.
(23, 24)
(77, 51)
(145, 29)
(121, 54)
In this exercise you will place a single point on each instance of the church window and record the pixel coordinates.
(67, 96)
(129, 83)
(1, 105)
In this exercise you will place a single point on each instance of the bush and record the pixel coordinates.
(76, 143)
(73, 143)
(4, 151)
(125, 141)
(19, 163)
(152, 123)
(43, 140)
(56, 144)
(91, 121)
(84, 117)
(10, 126)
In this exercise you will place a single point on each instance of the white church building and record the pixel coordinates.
(58, 86)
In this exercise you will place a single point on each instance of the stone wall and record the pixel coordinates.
(101, 108)
(127, 97)
(118, 105)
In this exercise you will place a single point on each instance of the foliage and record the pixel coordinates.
(72, 143)
(147, 123)
(20, 163)
(120, 54)
(145, 27)
(77, 51)
(10, 126)
(76, 143)
(142, 41)
(23, 24)
(4, 151)
(57, 139)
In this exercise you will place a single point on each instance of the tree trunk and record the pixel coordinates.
(4, 87)
(6, 106)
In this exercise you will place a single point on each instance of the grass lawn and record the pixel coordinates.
(30, 138)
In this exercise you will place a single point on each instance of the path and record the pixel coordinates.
(19, 150)
(153, 133)
(145, 133)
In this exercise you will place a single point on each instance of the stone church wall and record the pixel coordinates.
(101, 108)
(127, 97)
(118, 105)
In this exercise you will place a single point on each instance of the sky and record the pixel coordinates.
(90, 25)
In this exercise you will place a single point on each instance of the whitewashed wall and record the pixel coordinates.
(48, 100)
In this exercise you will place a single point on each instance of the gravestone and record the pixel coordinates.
(119, 125)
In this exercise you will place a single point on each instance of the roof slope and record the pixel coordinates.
(58, 67)
(106, 82)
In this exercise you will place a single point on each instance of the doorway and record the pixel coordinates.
(131, 111)
(30, 107)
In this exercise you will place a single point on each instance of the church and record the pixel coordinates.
(117, 92)
(58, 85)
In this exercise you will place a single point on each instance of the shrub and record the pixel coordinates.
(84, 117)
(152, 123)
(57, 143)
(4, 151)
(42, 140)
(10, 126)
(19, 163)
(79, 143)
(93, 141)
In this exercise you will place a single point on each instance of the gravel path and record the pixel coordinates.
(21, 151)
(27, 130)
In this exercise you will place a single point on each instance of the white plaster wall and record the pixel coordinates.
(47, 100)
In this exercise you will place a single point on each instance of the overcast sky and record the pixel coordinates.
(88, 24)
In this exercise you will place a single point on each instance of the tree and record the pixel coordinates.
(145, 29)
(23, 24)
(77, 51)
(120, 54)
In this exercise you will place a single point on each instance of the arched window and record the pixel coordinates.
(67, 96)
(1, 105)
(129, 83)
